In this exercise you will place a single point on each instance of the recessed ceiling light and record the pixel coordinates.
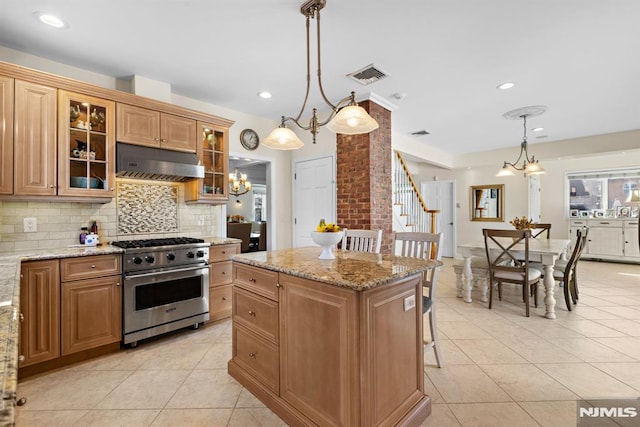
(51, 20)
(264, 94)
(399, 95)
(537, 129)
(505, 85)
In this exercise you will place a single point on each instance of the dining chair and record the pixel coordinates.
(424, 246)
(540, 230)
(506, 267)
(362, 240)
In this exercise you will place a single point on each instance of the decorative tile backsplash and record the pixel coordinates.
(146, 208)
(59, 223)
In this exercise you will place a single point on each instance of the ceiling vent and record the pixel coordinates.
(420, 133)
(367, 75)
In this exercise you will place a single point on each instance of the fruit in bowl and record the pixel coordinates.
(323, 227)
(327, 236)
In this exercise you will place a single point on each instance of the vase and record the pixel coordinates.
(326, 240)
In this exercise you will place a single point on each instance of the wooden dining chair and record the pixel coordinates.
(506, 267)
(540, 230)
(362, 240)
(424, 246)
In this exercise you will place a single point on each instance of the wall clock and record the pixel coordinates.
(249, 139)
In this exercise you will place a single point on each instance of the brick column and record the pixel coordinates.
(363, 174)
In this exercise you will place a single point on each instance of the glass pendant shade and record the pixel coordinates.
(282, 138)
(534, 168)
(506, 170)
(352, 120)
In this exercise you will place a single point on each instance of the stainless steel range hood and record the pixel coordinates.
(135, 161)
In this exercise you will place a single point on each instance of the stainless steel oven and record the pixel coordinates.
(165, 285)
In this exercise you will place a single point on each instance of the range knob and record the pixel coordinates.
(149, 259)
(200, 254)
(171, 256)
(137, 260)
(190, 254)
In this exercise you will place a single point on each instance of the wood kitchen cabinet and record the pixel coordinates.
(320, 354)
(6, 135)
(221, 279)
(35, 115)
(86, 145)
(142, 126)
(91, 302)
(213, 152)
(39, 311)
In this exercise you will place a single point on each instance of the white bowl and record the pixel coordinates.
(326, 240)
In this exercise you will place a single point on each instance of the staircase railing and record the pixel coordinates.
(407, 195)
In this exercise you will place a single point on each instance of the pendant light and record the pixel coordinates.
(529, 164)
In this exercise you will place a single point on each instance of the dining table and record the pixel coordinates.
(544, 251)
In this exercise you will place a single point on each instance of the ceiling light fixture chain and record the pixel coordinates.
(346, 116)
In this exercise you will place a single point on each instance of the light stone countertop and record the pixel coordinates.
(355, 270)
(10, 310)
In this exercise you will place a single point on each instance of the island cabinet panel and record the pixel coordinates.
(39, 311)
(392, 342)
(319, 353)
(221, 279)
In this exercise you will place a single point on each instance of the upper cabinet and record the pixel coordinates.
(35, 134)
(141, 126)
(86, 145)
(6, 135)
(213, 151)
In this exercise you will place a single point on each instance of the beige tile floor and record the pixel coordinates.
(501, 368)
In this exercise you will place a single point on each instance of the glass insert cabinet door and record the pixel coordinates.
(487, 203)
(215, 160)
(86, 145)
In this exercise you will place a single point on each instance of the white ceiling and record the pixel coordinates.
(580, 58)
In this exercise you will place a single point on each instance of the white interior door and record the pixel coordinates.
(441, 195)
(315, 197)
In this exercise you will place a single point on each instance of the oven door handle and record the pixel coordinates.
(165, 272)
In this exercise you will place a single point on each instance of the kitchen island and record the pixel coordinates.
(331, 342)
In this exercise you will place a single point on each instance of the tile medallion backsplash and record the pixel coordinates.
(147, 208)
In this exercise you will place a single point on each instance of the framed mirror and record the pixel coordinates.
(487, 203)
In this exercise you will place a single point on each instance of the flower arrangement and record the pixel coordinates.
(522, 223)
(323, 227)
(235, 218)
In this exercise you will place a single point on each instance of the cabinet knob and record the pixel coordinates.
(93, 266)
(52, 186)
(252, 313)
(224, 298)
(278, 285)
(253, 354)
(117, 283)
(224, 252)
(224, 272)
(252, 280)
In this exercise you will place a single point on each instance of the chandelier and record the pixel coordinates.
(529, 164)
(238, 184)
(346, 117)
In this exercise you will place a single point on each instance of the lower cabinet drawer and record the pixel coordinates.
(258, 356)
(257, 313)
(258, 280)
(220, 303)
(221, 273)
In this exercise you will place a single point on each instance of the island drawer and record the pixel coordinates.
(89, 266)
(221, 273)
(258, 356)
(258, 314)
(223, 252)
(220, 302)
(258, 280)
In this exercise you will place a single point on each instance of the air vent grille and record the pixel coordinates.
(367, 75)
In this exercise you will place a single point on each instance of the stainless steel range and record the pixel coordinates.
(166, 286)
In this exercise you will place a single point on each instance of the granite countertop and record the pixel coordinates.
(10, 309)
(355, 270)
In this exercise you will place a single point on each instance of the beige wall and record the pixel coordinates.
(554, 206)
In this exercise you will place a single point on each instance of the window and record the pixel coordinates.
(603, 193)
